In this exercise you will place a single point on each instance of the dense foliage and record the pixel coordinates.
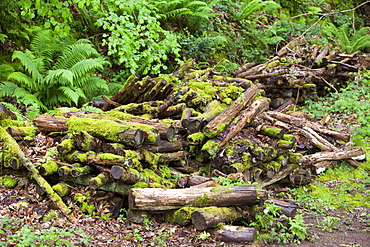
(118, 38)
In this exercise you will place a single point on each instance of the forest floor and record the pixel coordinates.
(22, 212)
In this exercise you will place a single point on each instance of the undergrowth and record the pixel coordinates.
(343, 187)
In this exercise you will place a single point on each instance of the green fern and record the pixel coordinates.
(249, 7)
(192, 13)
(347, 41)
(54, 73)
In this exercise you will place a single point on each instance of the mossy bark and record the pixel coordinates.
(218, 124)
(208, 217)
(10, 142)
(165, 199)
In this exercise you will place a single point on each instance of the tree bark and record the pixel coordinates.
(154, 199)
(235, 234)
(208, 217)
(218, 124)
(10, 142)
(337, 155)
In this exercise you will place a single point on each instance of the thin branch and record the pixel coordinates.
(331, 13)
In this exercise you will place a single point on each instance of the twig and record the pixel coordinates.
(331, 13)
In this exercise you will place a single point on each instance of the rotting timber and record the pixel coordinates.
(154, 134)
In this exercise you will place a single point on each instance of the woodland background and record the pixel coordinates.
(59, 53)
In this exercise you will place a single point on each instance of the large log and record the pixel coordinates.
(208, 217)
(337, 155)
(217, 125)
(236, 234)
(12, 144)
(155, 199)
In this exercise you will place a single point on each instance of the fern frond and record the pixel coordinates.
(360, 40)
(29, 64)
(5, 70)
(82, 70)
(45, 45)
(13, 109)
(96, 85)
(72, 94)
(7, 88)
(249, 7)
(23, 80)
(90, 108)
(25, 97)
(63, 76)
(75, 53)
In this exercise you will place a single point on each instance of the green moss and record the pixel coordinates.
(211, 147)
(62, 189)
(182, 216)
(165, 171)
(196, 137)
(202, 201)
(79, 197)
(240, 167)
(30, 132)
(221, 190)
(140, 185)
(61, 111)
(151, 158)
(8, 182)
(50, 216)
(272, 64)
(119, 115)
(109, 156)
(11, 123)
(50, 167)
(87, 208)
(67, 145)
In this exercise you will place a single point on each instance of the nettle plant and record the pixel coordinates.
(135, 37)
(53, 73)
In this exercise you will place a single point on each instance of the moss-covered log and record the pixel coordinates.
(208, 217)
(99, 181)
(47, 168)
(12, 144)
(62, 189)
(104, 159)
(22, 133)
(218, 124)
(235, 234)
(154, 199)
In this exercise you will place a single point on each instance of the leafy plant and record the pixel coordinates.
(248, 7)
(54, 74)
(264, 221)
(328, 223)
(349, 40)
(192, 14)
(30, 236)
(204, 235)
(135, 37)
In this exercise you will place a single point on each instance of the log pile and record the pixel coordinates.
(151, 139)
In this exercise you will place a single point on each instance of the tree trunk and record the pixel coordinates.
(208, 217)
(217, 124)
(154, 199)
(12, 144)
(235, 234)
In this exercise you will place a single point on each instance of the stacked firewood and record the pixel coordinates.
(154, 130)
